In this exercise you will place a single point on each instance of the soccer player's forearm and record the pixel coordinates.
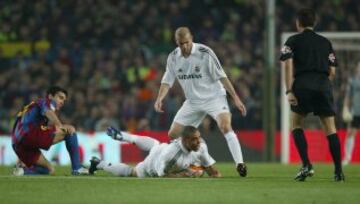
(212, 172)
(164, 89)
(229, 87)
(53, 118)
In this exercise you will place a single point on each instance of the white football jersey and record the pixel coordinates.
(174, 157)
(198, 74)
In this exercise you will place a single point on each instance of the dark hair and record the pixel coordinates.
(188, 131)
(55, 89)
(306, 17)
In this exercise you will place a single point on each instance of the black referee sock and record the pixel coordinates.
(334, 146)
(301, 145)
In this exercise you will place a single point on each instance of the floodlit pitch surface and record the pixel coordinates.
(266, 183)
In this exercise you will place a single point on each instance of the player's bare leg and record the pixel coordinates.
(41, 167)
(143, 142)
(224, 123)
(42, 161)
(334, 145)
(301, 145)
(175, 130)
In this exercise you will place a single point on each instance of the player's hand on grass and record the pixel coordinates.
(212, 172)
(158, 106)
(292, 99)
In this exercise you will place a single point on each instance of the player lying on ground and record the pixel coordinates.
(164, 160)
(38, 127)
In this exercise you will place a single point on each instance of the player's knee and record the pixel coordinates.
(225, 128)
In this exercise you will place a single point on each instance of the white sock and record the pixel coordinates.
(119, 169)
(349, 147)
(234, 146)
(143, 142)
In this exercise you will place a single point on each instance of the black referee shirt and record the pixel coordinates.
(312, 56)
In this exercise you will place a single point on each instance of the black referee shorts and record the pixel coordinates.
(355, 123)
(321, 103)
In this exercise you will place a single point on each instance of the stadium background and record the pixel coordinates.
(111, 55)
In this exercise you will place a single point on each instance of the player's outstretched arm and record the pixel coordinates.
(230, 89)
(164, 89)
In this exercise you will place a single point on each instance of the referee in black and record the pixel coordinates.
(309, 63)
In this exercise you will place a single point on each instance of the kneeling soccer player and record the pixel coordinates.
(38, 127)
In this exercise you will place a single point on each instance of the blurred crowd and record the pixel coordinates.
(110, 55)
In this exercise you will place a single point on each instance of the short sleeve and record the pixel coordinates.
(215, 69)
(169, 76)
(287, 50)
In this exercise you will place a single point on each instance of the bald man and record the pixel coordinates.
(204, 83)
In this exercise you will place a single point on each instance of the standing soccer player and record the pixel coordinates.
(204, 83)
(351, 113)
(38, 127)
(309, 63)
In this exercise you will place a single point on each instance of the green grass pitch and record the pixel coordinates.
(266, 183)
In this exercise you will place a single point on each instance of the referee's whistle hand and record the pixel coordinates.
(292, 99)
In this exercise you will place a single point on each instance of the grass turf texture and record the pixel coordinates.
(266, 183)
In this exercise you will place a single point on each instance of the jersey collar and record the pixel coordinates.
(193, 49)
(194, 45)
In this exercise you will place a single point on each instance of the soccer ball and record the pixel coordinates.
(197, 171)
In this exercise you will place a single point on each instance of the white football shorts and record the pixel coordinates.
(194, 113)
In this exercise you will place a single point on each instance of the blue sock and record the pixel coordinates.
(36, 170)
(72, 147)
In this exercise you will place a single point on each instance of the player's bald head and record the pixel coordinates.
(184, 39)
(182, 32)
